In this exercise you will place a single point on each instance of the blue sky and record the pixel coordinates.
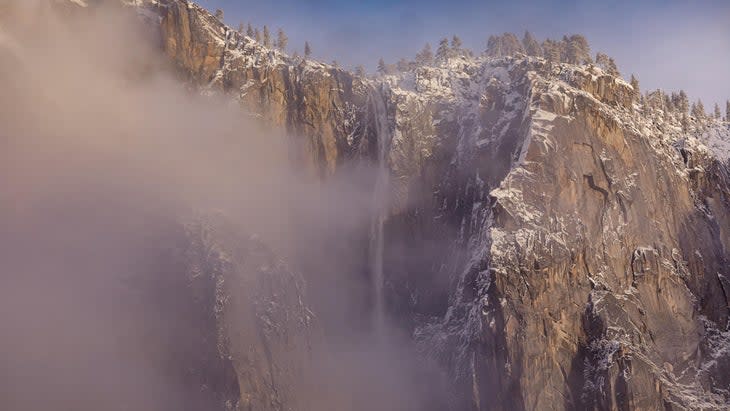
(669, 44)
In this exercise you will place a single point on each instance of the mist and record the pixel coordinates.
(103, 154)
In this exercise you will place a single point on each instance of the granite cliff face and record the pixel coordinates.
(260, 330)
(579, 230)
(318, 104)
(547, 241)
(569, 249)
(586, 281)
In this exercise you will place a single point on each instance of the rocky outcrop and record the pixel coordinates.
(254, 309)
(193, 39)
(323, 108)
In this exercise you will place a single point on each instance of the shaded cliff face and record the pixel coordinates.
(261, 333)
(547, 242)
(153, 314)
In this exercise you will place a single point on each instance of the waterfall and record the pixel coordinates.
(380, 209)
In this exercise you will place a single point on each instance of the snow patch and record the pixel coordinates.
(717, 139)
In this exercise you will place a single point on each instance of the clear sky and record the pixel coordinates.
(669, 44)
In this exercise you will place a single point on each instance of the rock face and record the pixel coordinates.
(599, 276)
(322, 106)
(260, 330)
(188, 315)
(581, 245)
(556, 246)
(552, 244)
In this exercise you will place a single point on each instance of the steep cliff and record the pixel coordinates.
(552, 243)
(322, 106)
(260, 329)
(589, 262)
(548, 241)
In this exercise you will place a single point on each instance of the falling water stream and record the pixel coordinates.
(380, 193)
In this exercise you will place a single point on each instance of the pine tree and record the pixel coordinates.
(257, 35)
(718, 114)
(382, 67)
(360, 71)
(219, 14)
(425, 56)
(577, 50)
(281, 40)
(675, 101)
(511, 45)
(655, 99)
(607, 64)
(494, 46)
(267, 37)
(727, 111)
(602, 61)
(635, 85)
(682, 102)
(240, 28)
(551, 50)
(456, 46)
(612, 68)
(307, 50)
(443, 52)
(249, 31)
(701, 109)
(667, 115)
(698, 110)
(563, 45)
(685, 122)
(531, 46)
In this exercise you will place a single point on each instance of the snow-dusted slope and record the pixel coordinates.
(557, 192)
(717, 139)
